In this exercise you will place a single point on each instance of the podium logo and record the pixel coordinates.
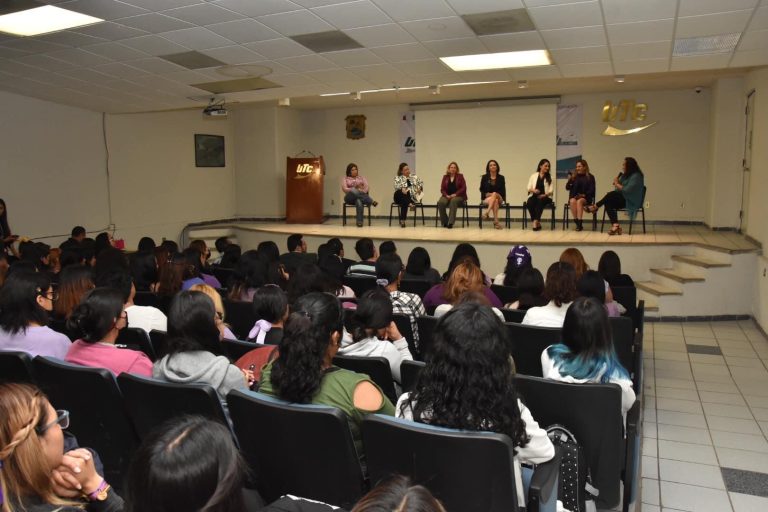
(625, 110)
(304, 171)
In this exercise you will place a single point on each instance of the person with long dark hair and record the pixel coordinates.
(409, 190)
(304, 372)
(468, 384)
(74, 282)
(389, 273)
(586, 353)
(398, 493)
(270, 306)
(355, 188)
(559, 290)
(453, 194)
(419, 267)
(493, 191)
(26, 299)
(530, 287)
(581, 192)
(609, 267)
(518, 260)
(250, 273)
(540, 191)
(627, 193)
(7, 238)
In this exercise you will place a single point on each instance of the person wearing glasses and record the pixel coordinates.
(98, 320)
(26, 299)
(37, 475)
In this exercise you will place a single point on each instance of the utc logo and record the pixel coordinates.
(625, 109)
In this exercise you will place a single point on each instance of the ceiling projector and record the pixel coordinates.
(215, 111)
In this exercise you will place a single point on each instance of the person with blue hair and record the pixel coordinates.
(586, 353)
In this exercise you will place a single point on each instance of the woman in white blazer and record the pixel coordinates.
(541, 187)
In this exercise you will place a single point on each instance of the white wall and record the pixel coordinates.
(257, 188)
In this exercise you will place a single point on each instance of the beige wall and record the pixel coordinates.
(257, 192)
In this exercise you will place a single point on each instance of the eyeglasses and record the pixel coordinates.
(62, 418)
(53, 295)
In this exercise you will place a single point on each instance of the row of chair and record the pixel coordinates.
(308, 450)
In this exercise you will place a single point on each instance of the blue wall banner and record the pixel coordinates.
(569, 123)
(408, 139)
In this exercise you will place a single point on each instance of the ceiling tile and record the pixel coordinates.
(403, 52)
(574, 37)
(115, 51)
(291, 79)
(255, 8)
(641, 32)
(79, 57)
(10, 53)
(491, 75)
(18, 69)
(641, 66)
(316, 3)
(296, 23)
(70, 38)
(451, 47)
(699, 62)
(155, 23)
(585, 14)
(308, 63)
(187, 77)
(382, 35)
(586, 69)
(352, 58)
(154, 45)
(197, 38)
(158, 5)
(642, 51)
(750, 58)
(579, 55)
(65, 81)
(760, 19)
(712, 24)
(234, 55)
(542, 3)
(119, 70)
(110, 31)
(334, 76)
(754, 40)
(203, 14)
(696, 7)
(155, 65)
(422, 67)
(478, 6)
(278, 48)
(409, 10)
(87, 75)
(352, 15)
(630, 11)
(104, 9)
(31, 45)
(378, 73)
(44, 62)
(520, 41)
(436, 29)
(244, 31)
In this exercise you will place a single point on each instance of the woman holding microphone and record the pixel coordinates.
(627, 193)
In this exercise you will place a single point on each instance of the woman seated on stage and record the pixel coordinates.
(540, 190)
(453, 190)
(581, 191)
(627, 193)
(355, 189)
(409, 189)
(493, 191)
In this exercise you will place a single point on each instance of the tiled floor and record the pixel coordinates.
(705, 429)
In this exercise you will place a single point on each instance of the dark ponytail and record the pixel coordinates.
(374, 311)
(96, 314)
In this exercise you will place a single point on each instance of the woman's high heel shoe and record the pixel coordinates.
(615, 230)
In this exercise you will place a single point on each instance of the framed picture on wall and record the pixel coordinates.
(209, 150)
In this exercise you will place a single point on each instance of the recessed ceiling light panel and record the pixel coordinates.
(501, 60)
(43, 20)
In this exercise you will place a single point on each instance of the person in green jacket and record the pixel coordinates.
(627, 193)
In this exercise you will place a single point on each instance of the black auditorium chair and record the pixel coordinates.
(403, 323)
(16, 367)
(60, 325)
(367, 211)
(395, 207)
(151, 402)
(240, 317)
(359, 284)
(235, 349)
(409, 373)
(592, 412)
(418, 286)
(159, 342)
(137, 338)
(95, 404)
(303, 450)
(552, 209)
(506, 294)
(146, 299)
(223, 274)
(527, 343)
(426, 328)
(627, 297)
(462, 211)
(466, 471)
(377, 368)
(513, 315)
(567, 212)
(624, 343)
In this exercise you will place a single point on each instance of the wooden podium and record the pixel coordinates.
(304, 190)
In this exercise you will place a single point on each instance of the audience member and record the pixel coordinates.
(329, 262)
(73, 257)
(370, 332)
(466, 276)
(518, 260)
(221, 244)
(205, 254)
(473, 297)
(560, 290)
(26, 299)
(231, 256)
(76, 238)
(270, 305)
(4, 266)
(218, 305)
(102, 241)
(74, 282)
(591, 284)
(530, 286)
(147, 318)
(573, 256)
(7, 238)
(387, 247)
(97, 321)
(250, 273)
(143, 266)
(276, 273)
(309, 278)
(337, 248)
(397, 493)
(461, 253)
(297, 253)
(610, 268)
(366, 267)
(389, 271)
(419, 267)
(146, 244)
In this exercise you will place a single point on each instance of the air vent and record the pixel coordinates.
(332, 41)
(244, 84)
(499, 22)
(193, 60)
(723, 43)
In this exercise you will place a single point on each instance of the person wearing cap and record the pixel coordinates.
(518, 259)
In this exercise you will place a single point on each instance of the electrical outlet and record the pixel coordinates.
(682, 204)
(647, 204)
(333, 202)
(763, 272)
(111, 227)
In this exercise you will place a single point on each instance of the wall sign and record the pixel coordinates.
(625, 111)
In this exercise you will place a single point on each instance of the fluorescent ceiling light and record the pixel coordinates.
(498, 60)
(42, 20)
(387, 89)
(476, 83)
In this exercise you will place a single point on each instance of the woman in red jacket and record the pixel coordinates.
(453, 192)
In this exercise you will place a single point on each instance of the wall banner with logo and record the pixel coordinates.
(569, 123)
(408, 138)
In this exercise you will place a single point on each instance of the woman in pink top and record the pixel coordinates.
(355, 189)
(98, 319)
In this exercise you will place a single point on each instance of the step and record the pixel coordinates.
(700, 261)
(677, 275)
(655, 288)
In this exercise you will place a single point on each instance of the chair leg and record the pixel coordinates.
(554, 209)
(344, 214)
(480, 216)
(643, 212)
(391, 207)
(525, 217)
(602, 225)
(630, 225)
(566, 220)
(369, 215)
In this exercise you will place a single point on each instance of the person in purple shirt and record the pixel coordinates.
(193, 271)
(25, 301)
(465, 277)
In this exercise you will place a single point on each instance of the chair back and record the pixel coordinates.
(235, 349)
(592, 412)
(223, 274)
(426, 328)
(527, 343)
(95, 404)
(624, 342)
(359, 284)
(626, 296)
(403, 323)
(159, 342)
(240, 316)
(304, 450)
(151, 402)
(16, 367)
(60, 325)
(137, 338)
(409, 374)
(377, 368)
(506, 294)
(464, 470)
(418, 286)
(513, 315)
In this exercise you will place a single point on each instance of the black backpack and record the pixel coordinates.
(575, 489)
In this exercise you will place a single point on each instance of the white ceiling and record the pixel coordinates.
(113, 66)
